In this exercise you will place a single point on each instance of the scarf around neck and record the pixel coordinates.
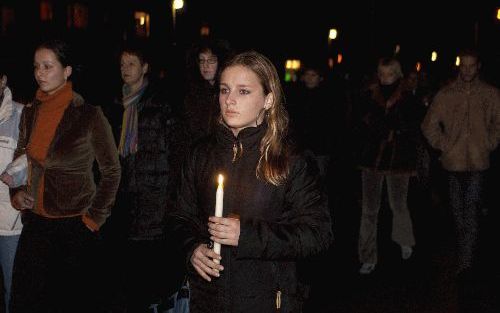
(50, 113)
(128, 137)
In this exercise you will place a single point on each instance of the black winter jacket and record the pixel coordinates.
(279, 225)
(148, 176)
(390, 136)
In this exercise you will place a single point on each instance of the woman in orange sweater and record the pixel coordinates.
(62, 208)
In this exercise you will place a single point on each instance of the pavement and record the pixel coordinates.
(427, 282)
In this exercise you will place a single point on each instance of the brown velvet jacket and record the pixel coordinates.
(82, 136)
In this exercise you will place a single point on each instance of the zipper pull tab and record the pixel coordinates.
(235, 151)
(278, 299)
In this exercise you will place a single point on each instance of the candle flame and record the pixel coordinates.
(221, 180)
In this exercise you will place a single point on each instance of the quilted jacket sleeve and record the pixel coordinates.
(304, 228)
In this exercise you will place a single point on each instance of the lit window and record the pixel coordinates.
(141, 24)
(46, 13)
(7, 18)
(205, 30)
(291, 68)
(78, 16)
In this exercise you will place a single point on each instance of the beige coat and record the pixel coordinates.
(464, 125)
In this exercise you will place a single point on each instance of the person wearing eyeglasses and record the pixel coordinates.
(200, 102)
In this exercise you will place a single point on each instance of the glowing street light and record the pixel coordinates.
(434, 56)
(176, 5)
(332, 34)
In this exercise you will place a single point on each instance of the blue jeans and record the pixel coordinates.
(465, 190)
(8, 247)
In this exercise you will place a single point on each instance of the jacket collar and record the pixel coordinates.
(462, 86)
(75, 102)
(248, 138)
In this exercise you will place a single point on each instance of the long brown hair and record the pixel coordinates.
(273, 165)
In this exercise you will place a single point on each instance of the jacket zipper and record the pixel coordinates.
(237, 150)
(278, 300)
(278, 289)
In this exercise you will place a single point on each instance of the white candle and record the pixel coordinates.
(219, 205)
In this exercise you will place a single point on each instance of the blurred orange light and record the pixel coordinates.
(205, 31)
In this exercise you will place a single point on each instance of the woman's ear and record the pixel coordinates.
(269, 101)
(67, 72)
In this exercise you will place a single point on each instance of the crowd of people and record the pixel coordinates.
(110, 207)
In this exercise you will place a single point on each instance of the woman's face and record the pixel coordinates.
(387, 75)
(49, 73)
(241, 98)
(132, 70)
(208, 63)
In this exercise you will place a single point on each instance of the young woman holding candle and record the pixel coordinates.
(274, 210)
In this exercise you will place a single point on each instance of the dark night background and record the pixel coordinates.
(298, 29)
(282, 30)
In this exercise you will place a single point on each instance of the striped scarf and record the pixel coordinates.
(129, 138)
